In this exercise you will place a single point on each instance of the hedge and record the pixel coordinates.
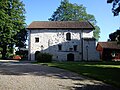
(43, 57)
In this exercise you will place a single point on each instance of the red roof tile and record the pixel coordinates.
(60, 25)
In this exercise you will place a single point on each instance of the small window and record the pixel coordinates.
(75, 47)
(68, 36)
(60, 47)
(70, 49)
(36, 39)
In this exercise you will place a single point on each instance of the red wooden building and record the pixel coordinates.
(109, 50)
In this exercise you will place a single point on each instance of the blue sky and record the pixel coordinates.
(41, 10)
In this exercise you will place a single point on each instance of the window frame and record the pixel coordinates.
(68, 36)
(36, 39)
(59, 47)
(75, 47)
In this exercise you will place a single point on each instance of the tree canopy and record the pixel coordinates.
(74, 12)
(116, 6)
(12, 23)
(115, 36)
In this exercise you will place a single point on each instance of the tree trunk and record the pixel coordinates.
(4, 51)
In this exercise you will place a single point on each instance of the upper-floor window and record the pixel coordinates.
(36, 39)
(68, 36)
(59, 47)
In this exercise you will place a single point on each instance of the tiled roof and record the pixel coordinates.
(60, 25)
(109, 45)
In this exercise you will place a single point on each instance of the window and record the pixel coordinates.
(36, 39)
(70, 49)
(75, 47)
(68, 36)
(60, 47)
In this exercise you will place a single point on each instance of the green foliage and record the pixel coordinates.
(43, 57)
(116, 6)
(0, 49)
(21, 38)
(12, 22)
(115, 36)
(96, 32)
(73, 12)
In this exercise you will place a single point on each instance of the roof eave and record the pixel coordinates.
(60, 28)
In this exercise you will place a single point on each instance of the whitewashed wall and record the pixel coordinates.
(50, 39)
(87, 34)
(89, 50)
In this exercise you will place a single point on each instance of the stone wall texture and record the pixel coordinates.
(50, 40)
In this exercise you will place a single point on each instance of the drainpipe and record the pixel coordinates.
(87, 52)
(29, 44)
(82, 43)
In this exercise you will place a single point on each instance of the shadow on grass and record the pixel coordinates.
(107, 72)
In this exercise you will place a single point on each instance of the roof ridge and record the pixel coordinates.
(63, 21)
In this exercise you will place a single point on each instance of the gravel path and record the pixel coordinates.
(26, 76)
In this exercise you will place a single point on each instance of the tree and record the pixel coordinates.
(21, 38)
(115, 36)
(73, 12)
(11, 23)
(116, 6)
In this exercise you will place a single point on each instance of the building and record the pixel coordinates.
(65, 40)
(109, 50)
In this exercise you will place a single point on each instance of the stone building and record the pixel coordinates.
(65, 40)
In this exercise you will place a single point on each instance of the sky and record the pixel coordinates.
(41, 10)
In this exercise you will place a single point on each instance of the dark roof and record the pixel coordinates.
(109, 45)
(60, 25)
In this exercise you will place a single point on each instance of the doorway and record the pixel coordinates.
(70, 57)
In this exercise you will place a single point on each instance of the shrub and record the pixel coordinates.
(43, 57)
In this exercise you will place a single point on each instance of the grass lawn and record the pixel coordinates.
(108, 72)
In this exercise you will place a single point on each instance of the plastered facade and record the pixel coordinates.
(50, 40)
